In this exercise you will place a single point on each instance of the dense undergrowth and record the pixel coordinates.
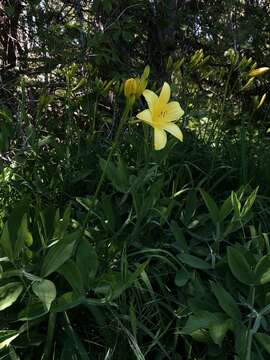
(110, 249)
(168, 260)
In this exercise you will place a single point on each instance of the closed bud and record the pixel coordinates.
(130, 87)
(146, 72)
(259, 71)
(261, 101)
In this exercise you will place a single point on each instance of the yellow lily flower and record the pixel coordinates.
(161, 115)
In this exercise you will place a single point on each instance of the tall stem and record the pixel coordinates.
(115, 143)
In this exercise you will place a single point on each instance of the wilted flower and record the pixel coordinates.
(161, 115)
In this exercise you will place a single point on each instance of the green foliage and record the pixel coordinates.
(109, 249)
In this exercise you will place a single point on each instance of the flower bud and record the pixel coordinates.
(259, 71)
(261, 101)
(130, 87)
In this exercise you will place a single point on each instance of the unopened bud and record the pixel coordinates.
(130, 87)
(259, 71)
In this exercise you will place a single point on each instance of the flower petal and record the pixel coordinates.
(174, 130)
(160, 138)
(173, 111)
(145, 116)
(151, 98)
(165, 94)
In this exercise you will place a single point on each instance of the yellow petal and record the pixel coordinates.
(165, 94)
(151, 98)
(145, 116)
(173, 111)
(160, 138)
(174, 130)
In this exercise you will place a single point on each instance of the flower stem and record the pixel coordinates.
(101, 179)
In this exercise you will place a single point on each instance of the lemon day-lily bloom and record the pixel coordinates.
(161, 115)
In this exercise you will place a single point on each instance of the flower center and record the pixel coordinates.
(162, 115)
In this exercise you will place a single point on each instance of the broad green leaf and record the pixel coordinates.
(181, 278)
(200, 335)
(58, 254)
(179, 237)
(249, 202)
(202, 320)
(236, 204)
(62, 224)
(45, 290)
(70, 271)
(87, 261)
(226, 208)
(264, 341)
(24, 236)
(117, 174)
(7, 336)
(194, 262)
(67, 301)
(262, 270)
(15, 233)
(9, 293)
(239, 266)
(211, 205)
(34, 310)
(226, 301)
(6, 242)
(218, 330)
(190, 207)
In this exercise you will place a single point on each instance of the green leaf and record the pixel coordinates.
(9, 293)
(45, 290)
(117, 174)
(194, 262)
(70, 271)
(211, 205)
(6, 242)
(262, 270)
(236, 204)
(226, 301)
(58, 254)
(218, 330)
(121, 287)
(190, 207)
(7, 336)
(179, 236)
(239, 266)
(24, 236)
(181, 278)
(62, 224)
(15, 233)
(34, 310)
(87, 261)
(249, 202)
(201, 320)
(226, 208)
(67, 301)
(264, 341)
